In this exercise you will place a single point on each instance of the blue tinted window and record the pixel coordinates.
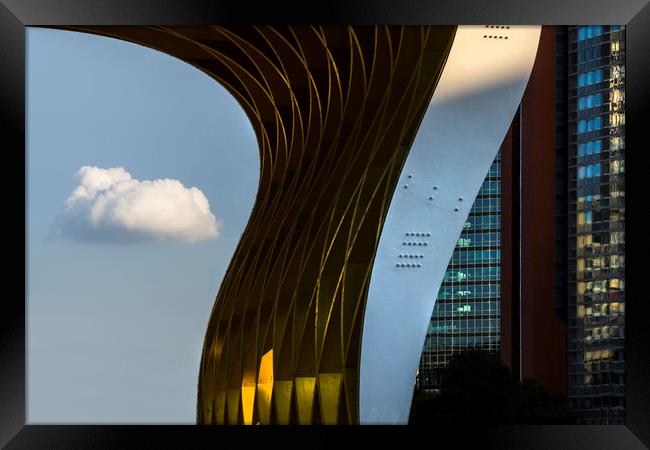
(587, 32)
(582, 33)
(582, 126)
(595, 76)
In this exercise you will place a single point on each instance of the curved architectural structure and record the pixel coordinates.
(469, 115)
(335, 110)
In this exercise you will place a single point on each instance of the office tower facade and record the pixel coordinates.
(596, 235)
(467, 310)
(562, 232)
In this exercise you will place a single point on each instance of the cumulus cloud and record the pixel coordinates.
(109, 205)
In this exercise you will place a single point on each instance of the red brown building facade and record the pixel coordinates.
(533, 329)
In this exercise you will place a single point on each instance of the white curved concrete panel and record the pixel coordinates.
(469, 115)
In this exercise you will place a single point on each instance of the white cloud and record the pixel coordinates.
(109, 205)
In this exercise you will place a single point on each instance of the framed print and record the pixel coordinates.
(416, 215)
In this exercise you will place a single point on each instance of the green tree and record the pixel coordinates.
(478, 388)
(532, 404)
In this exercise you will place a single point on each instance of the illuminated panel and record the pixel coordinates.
(329, 390)
(282, 392)
(247, 401)
(472, 107)
(305, 399)
(265, 388)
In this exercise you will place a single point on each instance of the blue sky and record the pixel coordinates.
(115, 327)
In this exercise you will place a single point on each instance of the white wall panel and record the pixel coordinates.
(470, 112)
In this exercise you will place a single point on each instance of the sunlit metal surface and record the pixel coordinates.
(471, 110)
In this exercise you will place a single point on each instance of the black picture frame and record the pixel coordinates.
(15, 15)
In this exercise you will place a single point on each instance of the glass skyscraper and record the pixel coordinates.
(596, 269)
(467, 310)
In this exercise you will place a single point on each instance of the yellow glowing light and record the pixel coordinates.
(265, 388)
(247, 402)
